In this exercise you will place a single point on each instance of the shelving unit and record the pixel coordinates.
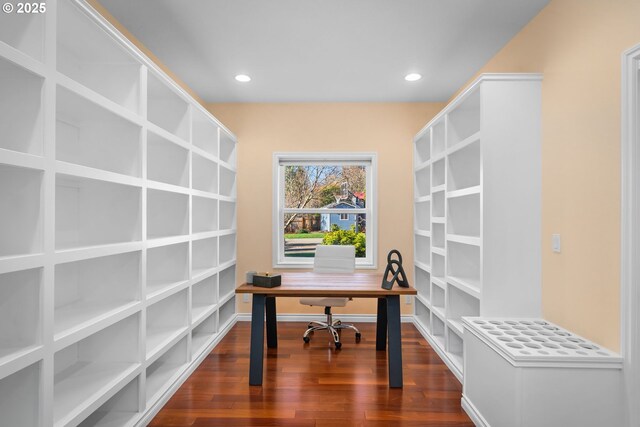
(477, 210)
(118, 241)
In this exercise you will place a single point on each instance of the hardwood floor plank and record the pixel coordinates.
(313, 385)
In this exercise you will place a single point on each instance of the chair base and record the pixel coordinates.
(333, 326)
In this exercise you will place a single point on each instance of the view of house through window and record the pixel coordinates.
(323, 204)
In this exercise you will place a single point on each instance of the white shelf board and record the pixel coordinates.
(200, 152)
(465, 142)
(422, 266)
(12, 362)
(116, 419)
(23, 160)
(168, 135)
(424, 300)
(465, 285)
(21, 59)
(469, 191)
(80, 385)
(438, 220)
(86, 172)
(467, 240)
(456, 326)
(438, 311)
(201, 312)
(422, 199)
(439, 251)
(438, 282)
(425, 233)
(161, 379)
(72, 322)
(160, 339)
(98, 99)
(438, 188)
(9, 264)
(167, 241)
(422, 165)
(87, 252)
(160, 289)
(227, 166)
(157, 185)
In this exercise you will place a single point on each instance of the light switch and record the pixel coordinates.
(555, 243)
(407, 299)
(245, 297)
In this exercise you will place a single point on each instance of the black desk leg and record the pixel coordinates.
(272, 323)
(257, 340)
(381, 325)
(395, 341)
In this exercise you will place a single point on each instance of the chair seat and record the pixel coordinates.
(325, 302)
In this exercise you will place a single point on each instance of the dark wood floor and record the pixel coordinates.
(316, 386)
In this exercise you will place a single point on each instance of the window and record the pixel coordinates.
(323, 198)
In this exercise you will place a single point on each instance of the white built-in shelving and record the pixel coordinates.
(477, 210)
(118, 235)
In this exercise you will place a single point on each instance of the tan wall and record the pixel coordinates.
(577, 44)
(263, 129)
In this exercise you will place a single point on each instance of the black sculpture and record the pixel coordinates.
(394, 266)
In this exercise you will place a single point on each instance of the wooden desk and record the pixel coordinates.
(356, 285)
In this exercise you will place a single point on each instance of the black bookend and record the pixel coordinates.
(394, 267)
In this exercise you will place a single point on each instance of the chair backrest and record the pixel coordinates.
(334, 259)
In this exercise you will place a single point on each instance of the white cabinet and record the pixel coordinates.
(477, 210)
(117, 225)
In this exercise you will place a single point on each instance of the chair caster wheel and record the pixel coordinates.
(306, 339)
(358, 336)
(338, 345)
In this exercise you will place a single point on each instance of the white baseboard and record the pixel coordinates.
(348, 318)
(148, 415)
(473, 413)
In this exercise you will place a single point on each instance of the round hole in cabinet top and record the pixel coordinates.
(505, 339)
(522, 339)
(510, 322)
(550, 345)
(543, 352)
(556, 339)
(567, 345)
(495, 332)
(532, 345)
(535, 328)
(495, 322)
(529, 333)
(574, 339)
(562, 352)
(504, 327)
(526, 322)
(479, 322)
(583, 353)
(525, 352)
(540, 322)
(512, 333)
(551, 328)
(520, 328)
(563, 334)
(486, 327)
(539, 339)
(545, 333)
(514, 345)
(602, 353)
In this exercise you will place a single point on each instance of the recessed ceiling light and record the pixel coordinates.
(412, 77)
(243, 78)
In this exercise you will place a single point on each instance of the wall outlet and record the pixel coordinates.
(407, 299)
(555, 243)
(245, 297)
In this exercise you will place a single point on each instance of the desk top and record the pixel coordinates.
(353, 285)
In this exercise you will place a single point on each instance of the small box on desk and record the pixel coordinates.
(265, 280)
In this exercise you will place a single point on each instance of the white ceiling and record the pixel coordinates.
(324, 50)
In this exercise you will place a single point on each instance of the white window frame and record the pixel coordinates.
(343, 215)
(369, 160)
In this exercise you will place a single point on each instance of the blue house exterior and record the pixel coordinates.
(343, 220)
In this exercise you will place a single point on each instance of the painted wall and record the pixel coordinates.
(262, 129)
(577, 44)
